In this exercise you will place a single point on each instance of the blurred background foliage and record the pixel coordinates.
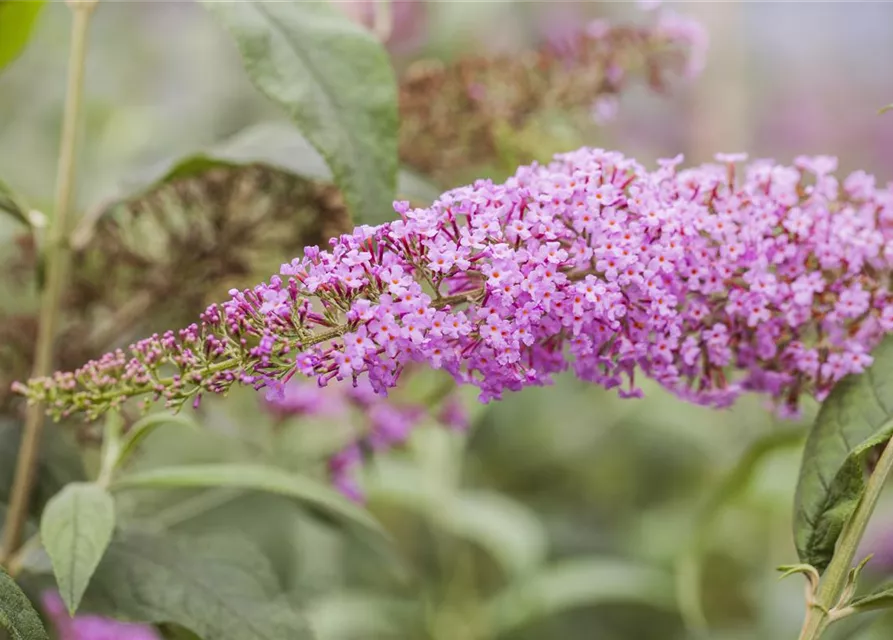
(564, 512)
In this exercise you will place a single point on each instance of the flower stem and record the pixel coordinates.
(819, 612)
(55, 254)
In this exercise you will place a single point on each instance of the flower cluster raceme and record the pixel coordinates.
(578, 68)
(712, 281)
(91, 627)
(377, 423)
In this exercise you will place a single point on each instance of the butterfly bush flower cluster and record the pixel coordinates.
(712, 280)
(578, 68)
(379, 424)
(91, 627)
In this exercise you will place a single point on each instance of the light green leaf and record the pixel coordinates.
(881, 598)
(576, 583)
(17, 19)
(306, 490)
(11, 203)
(885, 109)
(217, 587)
(272, 144)
(856, 416)
(143, 428)
(75, 529)
(354, 616)
(689, 564)
(787, 570)
(335, 81)
(506, 529)
(17, 615)
(277, 145)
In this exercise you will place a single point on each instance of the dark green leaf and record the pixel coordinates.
(176, 632)
(217, 587)
(335, 81)
(75, 529)
(17, 615)
(17, 18)
(259, 478)
(856, 416)
(576, 583)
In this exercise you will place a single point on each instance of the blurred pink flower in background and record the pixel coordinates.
(605, 109)
(381, 423)
(408, 25)
(91, 627)
(691, 32)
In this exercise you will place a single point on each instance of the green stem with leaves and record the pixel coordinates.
(56, 257)
(825, 602)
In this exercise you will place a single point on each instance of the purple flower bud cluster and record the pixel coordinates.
(713, 281)
(378, 423)
(91, 627)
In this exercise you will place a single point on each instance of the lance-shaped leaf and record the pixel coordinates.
(576, 583)
(17, 616)
(881, 598)
(856, 416)
(305, 490)
(335, 81)
(75, 529)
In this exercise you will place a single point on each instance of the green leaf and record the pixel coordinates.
(76, 529)
(882, 598)
(885, 109)
(506, 529)
(335, 81)
(304, 489)
(217, 587)
(352, 616)
(143, 428)
(17, 615)
(787, 570)
(576, 583)
(17, 19)
(856, 416)
(11, 203)
(733, 483)
(272, 144)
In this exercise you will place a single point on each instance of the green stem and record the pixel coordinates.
(56, 254)
(819, 612)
